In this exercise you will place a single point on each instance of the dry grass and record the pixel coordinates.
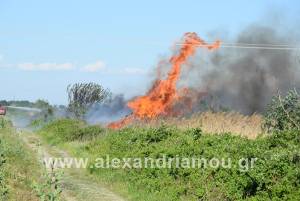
(216, 123)
(247, 126)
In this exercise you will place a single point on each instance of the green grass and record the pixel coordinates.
(275, 175)
(61, 130)
(20, 168)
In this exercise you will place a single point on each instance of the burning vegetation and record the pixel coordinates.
(164, 94)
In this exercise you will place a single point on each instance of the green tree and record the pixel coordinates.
(82, 95)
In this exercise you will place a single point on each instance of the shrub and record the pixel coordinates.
(196, 133)
(155, 135)
(63, 130)
(86, 133)
(283, 113)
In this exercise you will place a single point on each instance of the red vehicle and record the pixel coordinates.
(2, 110)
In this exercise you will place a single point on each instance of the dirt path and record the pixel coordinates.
(77, 185)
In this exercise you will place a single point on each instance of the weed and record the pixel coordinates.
(50, 189)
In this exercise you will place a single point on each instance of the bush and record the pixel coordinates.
(63, 130)
(283, 113)
(86, 133)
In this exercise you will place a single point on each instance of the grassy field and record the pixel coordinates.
(274, 176)
(20, 169)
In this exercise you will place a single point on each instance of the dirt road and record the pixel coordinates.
(77, 184)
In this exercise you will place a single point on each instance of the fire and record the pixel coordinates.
(164, 93)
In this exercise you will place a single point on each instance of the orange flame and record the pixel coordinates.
(163, 94)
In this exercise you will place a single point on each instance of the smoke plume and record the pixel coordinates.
(112, 109)
(246, 79)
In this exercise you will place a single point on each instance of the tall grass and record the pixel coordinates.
(214, 123)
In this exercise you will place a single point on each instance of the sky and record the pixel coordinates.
(46, 45)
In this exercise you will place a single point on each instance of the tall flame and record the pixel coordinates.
(163, 94)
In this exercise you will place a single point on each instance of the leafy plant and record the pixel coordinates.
(51, 189)
(196, 133)
(87, 133)
(283, 113)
